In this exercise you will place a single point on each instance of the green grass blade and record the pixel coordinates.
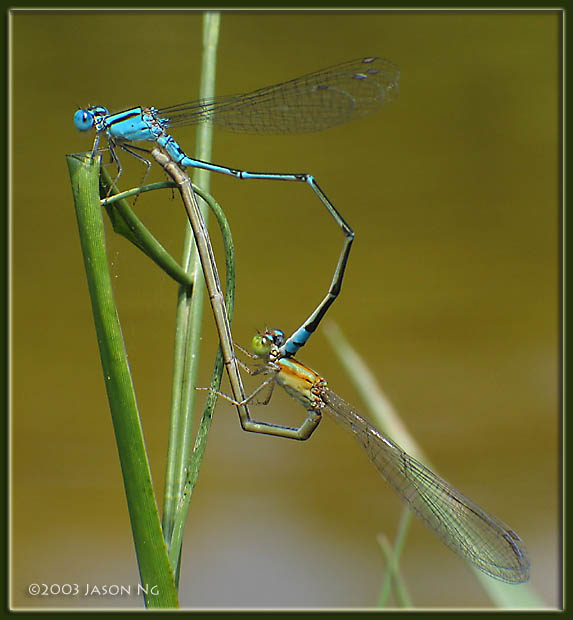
(154, 568)
(189, 315)
(393, 575)
(126, 223)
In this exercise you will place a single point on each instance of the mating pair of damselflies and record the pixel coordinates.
(313, 102)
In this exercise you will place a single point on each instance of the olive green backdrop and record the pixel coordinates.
(451, 296)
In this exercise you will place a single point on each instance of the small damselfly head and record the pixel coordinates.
(264, 343)
(84, 119)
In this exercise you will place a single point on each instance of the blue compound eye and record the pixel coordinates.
(83, 120)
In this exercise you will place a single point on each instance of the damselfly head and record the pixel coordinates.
(263, 344)
(84, 119)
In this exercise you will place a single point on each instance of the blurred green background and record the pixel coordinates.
(451, 296)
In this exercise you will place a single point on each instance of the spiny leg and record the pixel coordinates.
(247, 399)
(301, 433)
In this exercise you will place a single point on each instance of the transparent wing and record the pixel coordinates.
(483, 539)
(309, 103)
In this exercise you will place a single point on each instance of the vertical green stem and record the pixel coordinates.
(393, 566)
(154, 568)
(189, 312)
